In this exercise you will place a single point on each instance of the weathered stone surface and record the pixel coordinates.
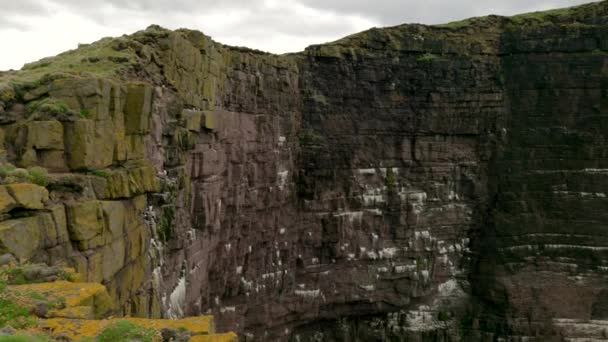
(192, 120)
(138, 105)
(28, 196)
(90, 97)
(45, 135)
(85, 223)
(21, 237)
(7, 202)
(210, 120)
(80, 139)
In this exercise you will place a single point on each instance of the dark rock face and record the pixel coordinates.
(411, 183)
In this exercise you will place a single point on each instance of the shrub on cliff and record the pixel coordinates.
(39, 176)
(24, 338)
(125, 331)
(10, 174)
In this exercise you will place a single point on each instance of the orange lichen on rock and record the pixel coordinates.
(93, 295)
(73, 328)
(226, 337)
(78, 328)
(77, 312)
(196, 325)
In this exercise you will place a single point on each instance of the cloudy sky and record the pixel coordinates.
(33, 29)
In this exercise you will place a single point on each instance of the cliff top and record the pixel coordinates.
(121, 57)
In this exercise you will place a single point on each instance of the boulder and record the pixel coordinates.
(21, 237)
(7, 202)
(28, 196)
(45, 135)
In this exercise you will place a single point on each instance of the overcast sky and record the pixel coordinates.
(33, 29)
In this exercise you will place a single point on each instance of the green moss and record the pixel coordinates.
(85, 339)
(85, 114)
(526, 17)
(107, 60)
(10, 174)
(39, 175)
(24, 338)
(165, 227)
(14, 315)
(49, 106)
(310, 138)
(101, 173)
(16, 276)
(125, 331)
(542, 15)
(427, 57)
(443, 316)
(36, 295)
(6, 170)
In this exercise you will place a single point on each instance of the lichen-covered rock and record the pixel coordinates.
(193, 120)
(210, 120)
(28, 196)
(90, 97)
(7, 202)
(138, 105)
(85, 224)
(80, 144)
(45, 135)
(21, 237)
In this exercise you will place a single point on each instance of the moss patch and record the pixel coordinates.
(125, 331)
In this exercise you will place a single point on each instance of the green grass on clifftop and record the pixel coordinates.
(520, 19)
(106, 57)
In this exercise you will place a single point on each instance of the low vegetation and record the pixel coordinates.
(14, 311)
(11, 174)
(24, 338)
(48, 106)
(125, 331)
(427, 57)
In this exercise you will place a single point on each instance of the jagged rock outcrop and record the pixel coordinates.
(435, 183)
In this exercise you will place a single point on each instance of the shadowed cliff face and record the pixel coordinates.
(410, 183)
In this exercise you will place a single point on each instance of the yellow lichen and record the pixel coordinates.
(78, 328)
(227, 337)
(75, 294)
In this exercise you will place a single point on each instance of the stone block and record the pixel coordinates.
(79, 144)
(44, 135)
(192, 119)
(210, 120)
(89, 96)
(28, 196)
(7, 202)
(85, 223)
(138, 106)
(21, 237)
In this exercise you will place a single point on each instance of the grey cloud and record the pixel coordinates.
(394, 12)
(258, 21)
(289, 23)
(159, 6)
(14, 14)
(386, 12)
(22, 7)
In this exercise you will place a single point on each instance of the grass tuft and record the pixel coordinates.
(125, 331)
